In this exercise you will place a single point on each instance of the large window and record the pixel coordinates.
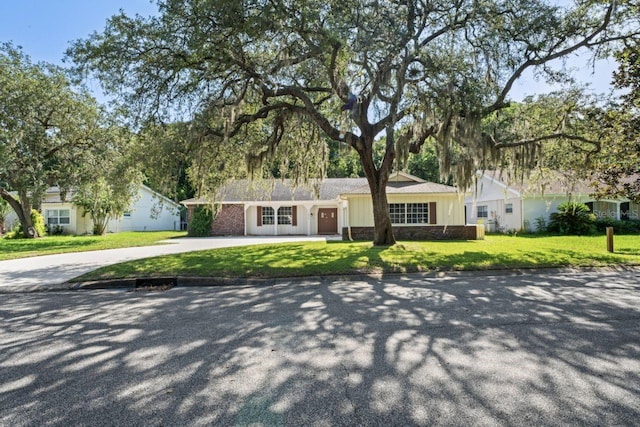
(267, 215)
(58, 217)
(409, 213)
(397, 213)
(483, 212)
(417, 213)
(284, 215)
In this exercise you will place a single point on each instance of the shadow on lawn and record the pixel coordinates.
(500, 350)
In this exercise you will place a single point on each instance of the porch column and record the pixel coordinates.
(275, 219)
(246, 216)
(618, 210)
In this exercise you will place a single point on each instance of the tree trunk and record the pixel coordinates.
(23, 210)
(377, 179)
(382, 230)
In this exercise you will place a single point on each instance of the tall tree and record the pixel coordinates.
(110, 178)
(275, 73)
(45, 129)
(618, 170)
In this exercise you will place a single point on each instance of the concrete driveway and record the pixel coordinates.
(44, 271)
(473, 349)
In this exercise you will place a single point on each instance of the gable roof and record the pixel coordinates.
(274, 190)
(53, 195)
(554, 182)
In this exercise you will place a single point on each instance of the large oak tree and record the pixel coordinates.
(46, 127)
(260, 75)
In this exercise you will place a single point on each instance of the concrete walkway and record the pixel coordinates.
(43, 271)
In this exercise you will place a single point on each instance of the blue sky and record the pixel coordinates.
(45, 28)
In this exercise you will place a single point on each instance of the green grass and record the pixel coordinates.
(21, 248)
(320, 258)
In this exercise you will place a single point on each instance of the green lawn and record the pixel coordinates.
(320, 258)
(21, 248)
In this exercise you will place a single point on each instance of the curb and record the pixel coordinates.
(201, 282)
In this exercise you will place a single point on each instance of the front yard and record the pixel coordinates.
(22, 248)
(320, 258)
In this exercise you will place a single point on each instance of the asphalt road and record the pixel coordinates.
(467, 349)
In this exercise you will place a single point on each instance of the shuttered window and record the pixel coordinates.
(266, 216)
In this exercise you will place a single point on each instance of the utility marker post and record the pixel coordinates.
(610, 239)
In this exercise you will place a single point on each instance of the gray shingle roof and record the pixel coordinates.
(405, 187)
(278, 190)
(329, 189)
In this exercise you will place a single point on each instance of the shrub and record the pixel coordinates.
(572, 218)
(56, 230)
(619, 227)
(200, 225)
(541, 224)
(38, 223)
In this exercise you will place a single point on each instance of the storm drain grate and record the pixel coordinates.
(155, 283)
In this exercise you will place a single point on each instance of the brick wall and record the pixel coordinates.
(427, 232)
(229, 221)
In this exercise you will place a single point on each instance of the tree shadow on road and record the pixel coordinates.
(464, 350)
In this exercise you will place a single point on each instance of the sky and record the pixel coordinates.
(45, 28)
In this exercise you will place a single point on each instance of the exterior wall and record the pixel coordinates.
(527, 209)
(301, 228)
(148, 214)
(495, 196)
(498, 219)
(424, 232)
(229, 221)
(449, 208)
(535, 207)
(74, 217)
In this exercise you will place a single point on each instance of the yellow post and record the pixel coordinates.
(610, 239)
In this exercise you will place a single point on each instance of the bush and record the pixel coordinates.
(619, 227)
(56, 230)
(572, 218)
(38, 223)
(200, 225)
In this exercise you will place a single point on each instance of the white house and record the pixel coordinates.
(418, 209)
(503, 204)
(150, 212)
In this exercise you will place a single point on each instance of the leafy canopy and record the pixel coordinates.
(46, 128)
(259, 77)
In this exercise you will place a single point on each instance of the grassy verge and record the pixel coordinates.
(320, 258)
(21, 248)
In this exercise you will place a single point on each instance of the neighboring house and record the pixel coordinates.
(150, 212)
(501, 204)
(418, 209)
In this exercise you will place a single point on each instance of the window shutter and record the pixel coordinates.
(294, 216)
(432, 213)
(259, 216)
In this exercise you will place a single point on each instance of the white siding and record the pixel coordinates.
(449, 208)
(301, 228)
(148, 213)
(495, 196)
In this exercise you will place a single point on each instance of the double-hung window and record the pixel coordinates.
(268, 217)
(417, 213)
(483, 212)
(284, 215)
(58, 217)
(397, 212)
